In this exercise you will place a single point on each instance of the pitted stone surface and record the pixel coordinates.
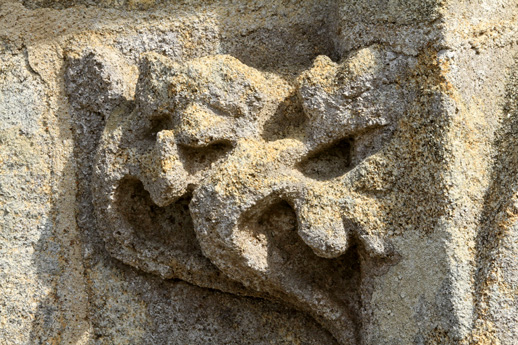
(198, 131)
(328, 166)
(151, 158)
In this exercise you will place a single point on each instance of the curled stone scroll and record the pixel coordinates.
(244, 181)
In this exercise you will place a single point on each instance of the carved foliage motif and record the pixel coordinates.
(240, 180)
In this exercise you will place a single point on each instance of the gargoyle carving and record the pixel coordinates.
(236, 179)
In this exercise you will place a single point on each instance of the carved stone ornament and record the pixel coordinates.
(240, 180)
(289, 172)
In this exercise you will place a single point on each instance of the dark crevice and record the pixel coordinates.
(169, 226)
(156, 125)
(288, 121)
(329, 162)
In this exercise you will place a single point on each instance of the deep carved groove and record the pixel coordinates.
(287, 122)
(290, 262)
(328, 163)
(156, 125)
(169, 226)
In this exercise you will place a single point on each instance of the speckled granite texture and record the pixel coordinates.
(259, 172)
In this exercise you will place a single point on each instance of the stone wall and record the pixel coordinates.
(254, 172)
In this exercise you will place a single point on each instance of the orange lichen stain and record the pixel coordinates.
(432, 73)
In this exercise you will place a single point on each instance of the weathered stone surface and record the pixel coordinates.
(223, 172)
